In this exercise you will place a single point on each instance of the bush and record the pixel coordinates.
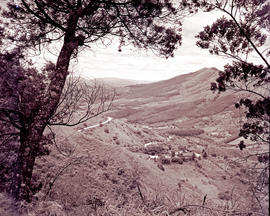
(181, 160)
(139, 132)
(214, 155)
(204, 154)
(165, 160)
(153, 149)
(177, 160)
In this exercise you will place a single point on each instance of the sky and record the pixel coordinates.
(134, 64)
(140, 65)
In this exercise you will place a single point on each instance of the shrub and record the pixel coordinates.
(204, 154)
(177, 160)
(181, 160)
(153, 149)
(165, 160)
(214, 155)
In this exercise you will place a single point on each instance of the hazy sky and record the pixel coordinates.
(136, 64)
(139, 65)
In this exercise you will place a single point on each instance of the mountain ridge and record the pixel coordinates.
(182, 96)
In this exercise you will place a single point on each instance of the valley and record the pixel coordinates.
(165, 148)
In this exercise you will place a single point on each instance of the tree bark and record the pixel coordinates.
(22, 174)
(31, 135)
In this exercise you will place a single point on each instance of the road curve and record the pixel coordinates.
(96, 125)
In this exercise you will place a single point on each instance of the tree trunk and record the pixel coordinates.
(30, 138)
(23, 169)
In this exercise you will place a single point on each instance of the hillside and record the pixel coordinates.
(164, 149)
(183, 98)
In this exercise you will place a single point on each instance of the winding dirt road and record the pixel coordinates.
(96, 125)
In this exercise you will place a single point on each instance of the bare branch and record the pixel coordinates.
(93, 97)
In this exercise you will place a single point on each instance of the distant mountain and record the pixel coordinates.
(118, 82)
(195, 81)
(186, 96)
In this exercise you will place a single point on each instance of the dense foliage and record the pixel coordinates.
(22, 91)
